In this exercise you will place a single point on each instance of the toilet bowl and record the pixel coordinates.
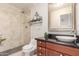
(30, 48)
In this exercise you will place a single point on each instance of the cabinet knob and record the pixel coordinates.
(40, 54)
(40, 42)
(39, 47)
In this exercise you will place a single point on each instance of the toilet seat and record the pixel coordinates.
(30, 48)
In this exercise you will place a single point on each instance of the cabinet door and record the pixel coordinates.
(63, 49)
(52, 53)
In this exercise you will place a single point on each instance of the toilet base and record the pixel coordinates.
(29, 53)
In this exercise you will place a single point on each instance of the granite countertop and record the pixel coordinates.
(59, 42)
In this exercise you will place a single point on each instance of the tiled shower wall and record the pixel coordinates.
(12, 27)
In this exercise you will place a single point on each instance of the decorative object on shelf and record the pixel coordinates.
(46, 35)
(36, 19)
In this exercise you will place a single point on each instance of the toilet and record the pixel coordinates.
(29, 49)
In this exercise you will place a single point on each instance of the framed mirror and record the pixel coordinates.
(61, 17)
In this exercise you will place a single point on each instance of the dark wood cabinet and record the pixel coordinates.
(52, 53)
(46, 48)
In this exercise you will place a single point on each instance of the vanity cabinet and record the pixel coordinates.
(43, 50)
(47, 48)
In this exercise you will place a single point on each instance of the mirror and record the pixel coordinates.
(61, 17)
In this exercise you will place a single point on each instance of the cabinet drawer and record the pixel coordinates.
(41, 51)
(52, 53)
(40, 54)
(41, 43)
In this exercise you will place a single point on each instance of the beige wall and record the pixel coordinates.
(12, 27)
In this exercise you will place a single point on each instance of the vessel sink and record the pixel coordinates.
(66, 38)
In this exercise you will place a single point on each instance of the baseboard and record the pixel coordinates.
(10, 51)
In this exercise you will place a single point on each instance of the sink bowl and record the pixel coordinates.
(66, 38)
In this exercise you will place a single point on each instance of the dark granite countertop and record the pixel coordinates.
(59, 42)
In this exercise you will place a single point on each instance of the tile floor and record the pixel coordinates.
(19, 53)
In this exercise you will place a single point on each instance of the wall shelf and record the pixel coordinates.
(36, 22)
(36, 19)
